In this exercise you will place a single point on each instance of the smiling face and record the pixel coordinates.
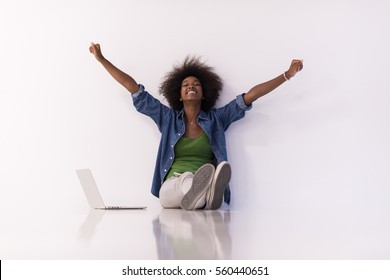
(191, 89)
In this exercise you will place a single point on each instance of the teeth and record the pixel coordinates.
(191, 92)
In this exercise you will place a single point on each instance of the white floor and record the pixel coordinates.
(156, 233)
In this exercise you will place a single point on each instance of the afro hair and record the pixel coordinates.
(192, 66)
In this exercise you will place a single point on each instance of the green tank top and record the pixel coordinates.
(190, 154)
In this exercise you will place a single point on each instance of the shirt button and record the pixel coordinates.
(165, 170)
(171, 157)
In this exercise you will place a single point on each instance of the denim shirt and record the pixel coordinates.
(171, 124)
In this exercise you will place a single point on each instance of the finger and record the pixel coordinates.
(294, 64)
(300, 66)
(297, 61)
(91, 47)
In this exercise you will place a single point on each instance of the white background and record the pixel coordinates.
(316, 149)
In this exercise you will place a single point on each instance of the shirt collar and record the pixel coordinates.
(202, 115)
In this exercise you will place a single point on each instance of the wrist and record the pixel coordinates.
(286, 76)
(101, 59)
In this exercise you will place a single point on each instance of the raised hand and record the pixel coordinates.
(121, 77)
(295, 67)
(96, 51)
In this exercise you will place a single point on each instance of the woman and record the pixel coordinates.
(191, 170)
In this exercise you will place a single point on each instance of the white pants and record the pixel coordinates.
(173, 190)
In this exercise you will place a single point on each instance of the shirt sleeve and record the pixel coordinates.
(140, 90)
(233, 111)
(148, 105)
(241, 103)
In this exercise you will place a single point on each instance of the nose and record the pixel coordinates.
(190, 86)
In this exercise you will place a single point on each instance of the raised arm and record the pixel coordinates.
(121, 77)
(262, 89)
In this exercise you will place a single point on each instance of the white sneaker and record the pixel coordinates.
(200, 184)
(221, 180)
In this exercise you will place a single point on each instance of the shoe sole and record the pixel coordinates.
(202, 180)
(222, 179)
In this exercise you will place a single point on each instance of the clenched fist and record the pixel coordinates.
(96, 51)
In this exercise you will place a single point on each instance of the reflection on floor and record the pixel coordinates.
(177, 234)
(192, 234)
(277, 233)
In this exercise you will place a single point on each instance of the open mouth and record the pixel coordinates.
(191, 92)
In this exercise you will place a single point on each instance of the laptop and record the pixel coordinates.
(92, 193)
